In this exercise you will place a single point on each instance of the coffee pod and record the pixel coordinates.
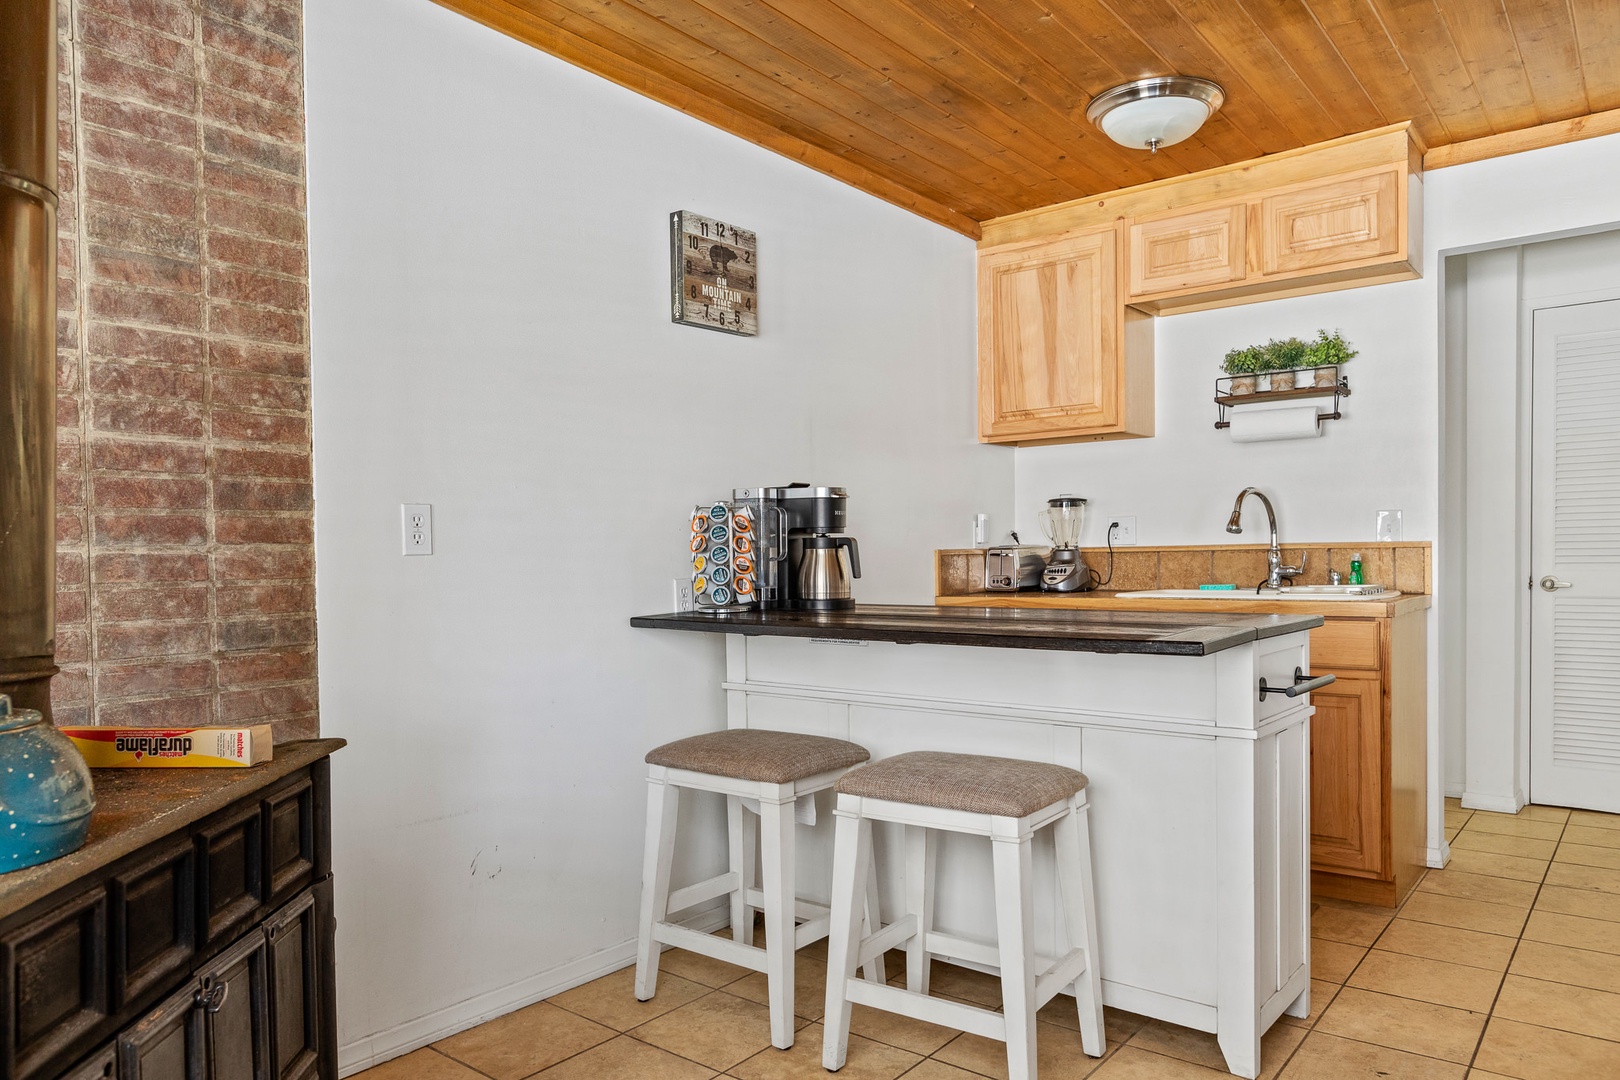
(743, 564)
(719, 533)
(721, 595)
(719, 575)
(699, 583)
(744, 587)
(718, 512)
(743, 545)
(698, 563)
(718, 555)
(742, 524)
(700, 522)
(699, 542)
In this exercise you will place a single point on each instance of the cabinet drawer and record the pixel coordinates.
(55, 984)
(102, 1065)
(1345, 643)
(1187, 251)
(1326, 225)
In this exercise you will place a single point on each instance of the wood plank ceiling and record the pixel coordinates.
(963, 111)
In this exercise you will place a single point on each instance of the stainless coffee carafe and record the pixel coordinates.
(826, 566)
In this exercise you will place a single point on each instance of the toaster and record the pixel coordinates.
(1009, 569)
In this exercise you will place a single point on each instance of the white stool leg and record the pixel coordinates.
(921, 847)
(663, 800)
(1015, 917)
(1073, 836)
(778, 865)
(742, 918)
(851, 861)
(872, 921)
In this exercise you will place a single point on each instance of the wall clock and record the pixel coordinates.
(713, 273)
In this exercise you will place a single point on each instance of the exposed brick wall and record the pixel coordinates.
(185, 529)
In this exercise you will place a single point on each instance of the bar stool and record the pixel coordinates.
(774, 768)
(1006, 800)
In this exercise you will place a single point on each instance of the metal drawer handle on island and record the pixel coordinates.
(211, 995)
(1302, 685)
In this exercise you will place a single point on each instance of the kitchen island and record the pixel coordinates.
(1200, 814)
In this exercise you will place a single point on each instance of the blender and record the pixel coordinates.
(1066, 569)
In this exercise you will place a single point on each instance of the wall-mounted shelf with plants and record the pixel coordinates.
(1289, 368)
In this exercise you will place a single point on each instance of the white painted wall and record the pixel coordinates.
(489, 266)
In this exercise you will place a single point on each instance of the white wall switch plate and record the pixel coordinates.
(684, 601)
(981, 525)
(416, 528)
(1389, 525)
(1124, 529)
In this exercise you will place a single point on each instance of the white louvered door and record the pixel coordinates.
(1575, 557)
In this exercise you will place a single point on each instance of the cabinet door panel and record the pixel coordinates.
(294, 990)
(154, 926)
(1323, 225)
(1048, 336)
(166, 1044)
(289, 830)
(1188, 251)
(234, 1011)
(102, 1065)
(1347, 756)
(55, 983)
(230, 874)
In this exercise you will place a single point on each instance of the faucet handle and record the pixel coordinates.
(1295, 571)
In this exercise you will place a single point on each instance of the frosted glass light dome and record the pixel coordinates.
(1150, 113)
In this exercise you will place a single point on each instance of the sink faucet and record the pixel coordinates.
(1275, 570)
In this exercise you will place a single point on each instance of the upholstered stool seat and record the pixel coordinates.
(1008, 801)
(761, 774)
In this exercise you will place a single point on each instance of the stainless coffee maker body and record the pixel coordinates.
(817, 562)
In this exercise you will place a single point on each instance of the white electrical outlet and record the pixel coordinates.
(416, 528)
(684, 601)
(1124, 530)
(981, 525)
(1389, 525)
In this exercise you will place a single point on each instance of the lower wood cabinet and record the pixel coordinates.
(205, 955)
(1369, 748)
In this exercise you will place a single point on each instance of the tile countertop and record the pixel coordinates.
(1000, 626)
(1103, 600)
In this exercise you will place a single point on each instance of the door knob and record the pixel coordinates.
(1552, 584)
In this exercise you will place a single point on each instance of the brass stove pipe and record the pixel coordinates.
(28, 352)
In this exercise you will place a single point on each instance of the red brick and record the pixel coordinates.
(154, 566)
(251, 288)
(70, 570)
(264, 528)
(131, 455)
(167, 309)
(108, 73)
(140, 604)
(70, 687)
(137, 192)
(261, 254)
(269, 154)
(264, 564)
(239, 215)
(175, 238)
(67, 333)
(249, 669)
(70, 527)
(233, 426)
(271, 16)
(266, 600)
(69, 489)
(276, 87)
(192, 710)
(147, 677)
(72, 645)
(147, 418)
(67, 372)
(121, 641)
(287, 466)
(130, 42)
(255, 117)
(67, 411)
(149, 493)
(137, 118)
(69, 451)
(127, 152)
(239, 705)
(169, 16)
(264, 633)
(262, 495)
(268, 187)
(140, 343)
(70, 607)
(259, 324)
(67, 254)
(260, 392)
(248, 45)
(141, 269)
(295, 728)
(117, 378)
(67, 294)
(267, 359)
(131, 527)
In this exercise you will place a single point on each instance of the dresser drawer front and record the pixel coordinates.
(1339, 644)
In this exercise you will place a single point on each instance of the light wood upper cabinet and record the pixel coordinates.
(1187, 251)
(1059, 356)
(1326, 226)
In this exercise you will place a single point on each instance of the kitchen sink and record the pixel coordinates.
(1287, 592)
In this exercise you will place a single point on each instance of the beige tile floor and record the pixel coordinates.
(1505, 964)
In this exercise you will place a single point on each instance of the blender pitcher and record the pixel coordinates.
(1066, 570)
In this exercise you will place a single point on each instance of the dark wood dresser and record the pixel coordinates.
(189, 939)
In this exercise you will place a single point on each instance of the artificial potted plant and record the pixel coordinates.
(1244, 367)
(1325, 354)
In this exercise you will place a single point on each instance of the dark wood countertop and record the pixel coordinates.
(1153, 633)
(137, 806)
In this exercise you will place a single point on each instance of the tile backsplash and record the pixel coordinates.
(1405, 566)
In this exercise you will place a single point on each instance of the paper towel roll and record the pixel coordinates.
(1272, 424)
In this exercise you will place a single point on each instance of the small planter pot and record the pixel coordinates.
(1281, 380)
(1326, 377)
(1245, 384)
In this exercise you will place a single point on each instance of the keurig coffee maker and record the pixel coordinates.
(814, 561)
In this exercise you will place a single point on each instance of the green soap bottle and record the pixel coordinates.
(1355, 569)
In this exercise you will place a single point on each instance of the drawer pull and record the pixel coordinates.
(1302, 685)
(211, 997)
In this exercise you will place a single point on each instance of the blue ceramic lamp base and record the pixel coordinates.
(46, 796)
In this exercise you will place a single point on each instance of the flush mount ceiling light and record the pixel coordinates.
(1160, 111)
